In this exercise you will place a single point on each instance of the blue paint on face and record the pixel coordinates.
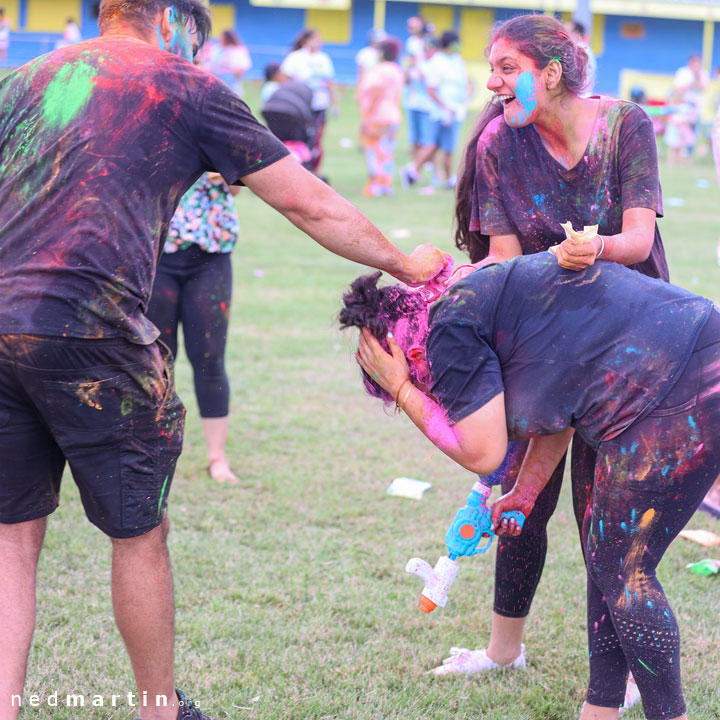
(525, 97)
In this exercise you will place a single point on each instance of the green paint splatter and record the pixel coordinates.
(646, 667)
(67, 93)
(126, 405)
(162, 494)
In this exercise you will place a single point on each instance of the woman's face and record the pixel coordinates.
(314, 42)
(517, 82)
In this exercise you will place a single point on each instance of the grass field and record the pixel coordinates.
(290, 587)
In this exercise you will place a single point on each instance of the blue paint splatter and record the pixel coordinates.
(525, 96)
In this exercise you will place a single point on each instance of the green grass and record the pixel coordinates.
(291, 587)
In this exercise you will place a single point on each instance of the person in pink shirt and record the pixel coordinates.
(379, 94)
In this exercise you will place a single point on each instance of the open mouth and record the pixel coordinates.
(505, 99)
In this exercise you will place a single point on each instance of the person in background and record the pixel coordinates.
(369, 56)
(689, 85)
(578, 32)
(418, 30)
(228, 60)
(310, 65)
(680, 124)
(5, 28)
(273, 78)
(380, 95)
(72, 32)
(193, 286)
(418, 104)
(450, 89)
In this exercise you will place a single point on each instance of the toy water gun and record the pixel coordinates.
(471, 524)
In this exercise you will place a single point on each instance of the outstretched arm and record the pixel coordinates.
(315, 208)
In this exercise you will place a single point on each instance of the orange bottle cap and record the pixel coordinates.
(426, 604)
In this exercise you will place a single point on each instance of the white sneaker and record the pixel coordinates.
(632, 695)
(474, 662)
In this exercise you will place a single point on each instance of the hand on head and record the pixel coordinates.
(389, 370)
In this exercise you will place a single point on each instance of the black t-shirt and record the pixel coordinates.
(521, 189)
(594, 350)
(98, 143)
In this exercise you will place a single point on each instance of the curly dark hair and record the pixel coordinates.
(379, 309)
(139, 12)
(541, 38)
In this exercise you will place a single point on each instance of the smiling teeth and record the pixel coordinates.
(505, 98)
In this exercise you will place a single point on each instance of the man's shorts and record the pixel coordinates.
(106, 406)
(446, 136)
(419, 128)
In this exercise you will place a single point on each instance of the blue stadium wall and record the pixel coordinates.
(663, 46)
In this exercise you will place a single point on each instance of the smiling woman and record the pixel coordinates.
(541, 155)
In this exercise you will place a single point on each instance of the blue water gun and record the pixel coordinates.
(471, 524)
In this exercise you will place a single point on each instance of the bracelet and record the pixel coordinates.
(602, 246)
(397, 394)
(407, 395)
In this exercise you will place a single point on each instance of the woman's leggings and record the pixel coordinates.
(194, 287)
(630, 505)
(379, 145)
(520, 560)
(648, 483)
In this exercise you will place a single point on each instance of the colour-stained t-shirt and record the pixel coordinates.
(206, 217)
(521, 189)
(594, 350)
(98, 143)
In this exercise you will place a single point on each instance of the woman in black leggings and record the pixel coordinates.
(193, 286)
(529, 351)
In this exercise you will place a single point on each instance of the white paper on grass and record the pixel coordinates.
(408, 487)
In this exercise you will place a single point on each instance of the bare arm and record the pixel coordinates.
(541, 459)
(502, 247)
(330, 220)
(632, 245)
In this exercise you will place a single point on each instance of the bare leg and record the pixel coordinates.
(595, 712)
(20, 545)
(142, 592)
(505, 638)
(216, 431)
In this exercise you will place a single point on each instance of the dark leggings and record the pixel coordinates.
(520, 560)
(648, 483)
(194, 287)
(644, 487)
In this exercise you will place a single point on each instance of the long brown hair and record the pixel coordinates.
(541, 38)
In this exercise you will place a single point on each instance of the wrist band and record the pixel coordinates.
(397, 394)
(602, 246)
(407, 395)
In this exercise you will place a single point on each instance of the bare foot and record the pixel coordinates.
(220, 470)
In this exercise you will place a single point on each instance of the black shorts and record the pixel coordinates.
(106, 406)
